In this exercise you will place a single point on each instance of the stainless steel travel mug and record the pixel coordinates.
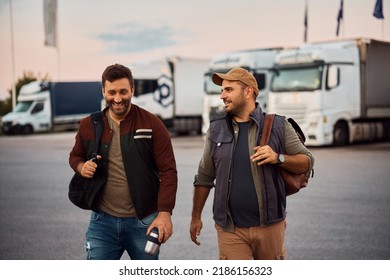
(152, 244)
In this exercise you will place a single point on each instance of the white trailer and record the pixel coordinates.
(172, 89)
(338, 91)
(257, 61)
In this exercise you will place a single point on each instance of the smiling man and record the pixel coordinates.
(140, 192)
(249, 197)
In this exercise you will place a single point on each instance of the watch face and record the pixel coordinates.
(280, 158)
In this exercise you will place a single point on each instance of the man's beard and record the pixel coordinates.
(236, 107)
(123, 110)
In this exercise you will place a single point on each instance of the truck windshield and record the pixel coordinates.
(144, 86)
(23, 106)
(297, 79)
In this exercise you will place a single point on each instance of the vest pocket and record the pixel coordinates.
(222, 145)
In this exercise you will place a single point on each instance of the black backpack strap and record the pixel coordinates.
(97, 119)
(297, 129)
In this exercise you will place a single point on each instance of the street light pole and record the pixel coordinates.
(12, 57)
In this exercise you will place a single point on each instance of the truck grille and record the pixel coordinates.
(295, 111)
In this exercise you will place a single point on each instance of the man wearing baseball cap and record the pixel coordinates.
(237, 74)
(249, 207)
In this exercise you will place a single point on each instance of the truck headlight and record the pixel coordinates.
(15, 122)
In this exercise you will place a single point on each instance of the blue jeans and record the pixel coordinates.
(108, 237)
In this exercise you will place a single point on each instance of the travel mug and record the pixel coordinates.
(152, 244)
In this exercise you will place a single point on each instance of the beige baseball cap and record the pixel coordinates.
(236, 74)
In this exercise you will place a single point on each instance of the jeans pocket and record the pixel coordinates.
(95, 216)
(145, 222)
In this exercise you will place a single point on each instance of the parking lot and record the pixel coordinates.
(344, 213)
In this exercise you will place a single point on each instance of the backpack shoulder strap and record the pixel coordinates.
(267, 127)
(97, 119)
(298, 130)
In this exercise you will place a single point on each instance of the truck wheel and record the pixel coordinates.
(386, 132)
(340, 134)
(18, 129)
(27, 129)
(199, 130)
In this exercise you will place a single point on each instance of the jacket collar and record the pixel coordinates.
(257, 115)
(131, 115)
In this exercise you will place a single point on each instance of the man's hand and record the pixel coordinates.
(264, 155)
(195, 228)
(164, 224)
(88, 168)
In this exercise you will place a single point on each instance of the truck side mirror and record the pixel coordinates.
(261, 80)
(333, 77)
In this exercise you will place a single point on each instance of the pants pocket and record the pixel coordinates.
(95, 216)
(145, 222)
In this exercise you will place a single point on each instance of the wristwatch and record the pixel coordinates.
(280, 159)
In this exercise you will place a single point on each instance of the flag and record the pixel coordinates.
(50, 20)
(339, 17)
(305, 24)
(378, 10)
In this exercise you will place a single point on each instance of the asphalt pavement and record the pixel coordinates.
(344, 214)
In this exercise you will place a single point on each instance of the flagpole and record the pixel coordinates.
(58, 45)
(340, 20)
(13, 93)
(383, 29)
(305, 23)
(343, 25)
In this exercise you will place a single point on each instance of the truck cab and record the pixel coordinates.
(153, 88)
(172, 89)
(32, 113)
(332, 90)
(45, 106)
(257, 61)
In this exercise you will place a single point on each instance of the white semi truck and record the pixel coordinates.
(257, 61)
(45, 106)
(172, 89)
(338, 91)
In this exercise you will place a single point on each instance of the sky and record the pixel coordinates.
(93, 34)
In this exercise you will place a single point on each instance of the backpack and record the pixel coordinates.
(84, 192)
(293, 182)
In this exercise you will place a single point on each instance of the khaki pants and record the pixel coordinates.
(258, 243)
